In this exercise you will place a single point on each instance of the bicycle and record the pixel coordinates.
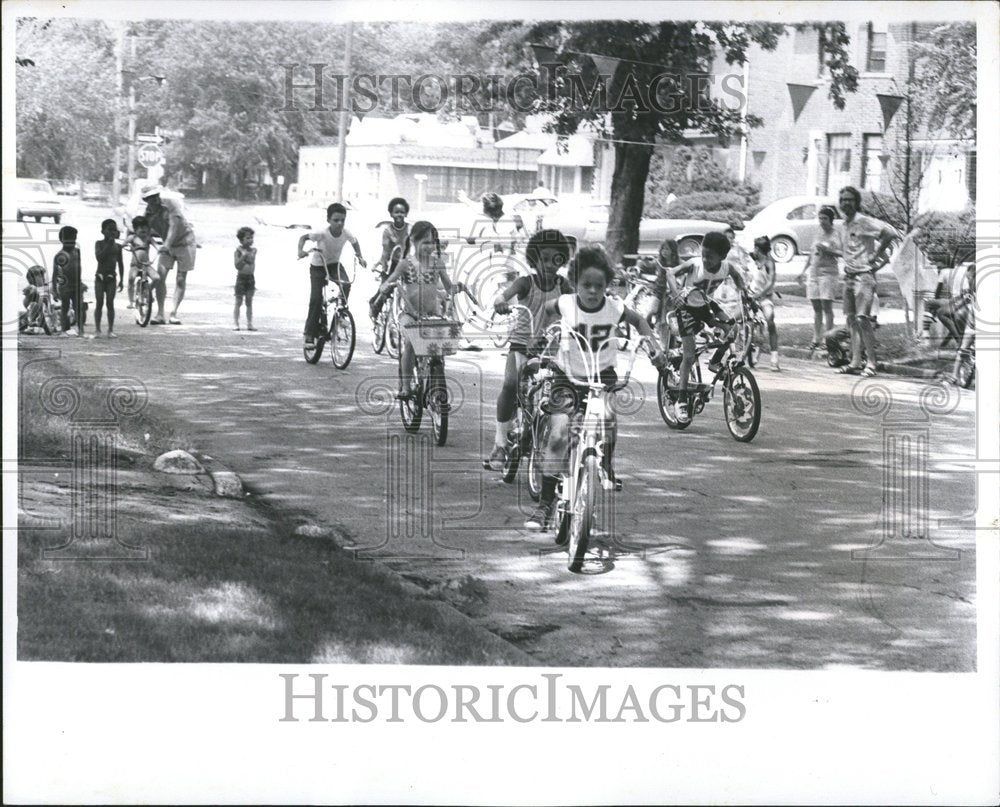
(585, 473)
(432, 338)
(385, 325)
(143, 285)
(741, 395)
(337, 329)
(640, 296)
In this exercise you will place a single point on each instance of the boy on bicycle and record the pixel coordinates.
(325, 260)
(591, 316)
(393, 240)
(138, 243)
(695, 307)
(547, 252)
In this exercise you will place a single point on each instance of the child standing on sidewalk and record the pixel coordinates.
(244, 259)
(66, 284)
(109, 257)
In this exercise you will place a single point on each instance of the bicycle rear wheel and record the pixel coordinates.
(49, 319)
(342, 338)
(143, 303)
(668, 391)
(517, 450)
(967, 372)
(437, 403)
(581, 512)
(742, 405)
(393, 334)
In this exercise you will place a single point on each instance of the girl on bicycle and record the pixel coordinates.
(695, 308)
(547, 252)
(393, 241)
(592, 316)
(419, 273)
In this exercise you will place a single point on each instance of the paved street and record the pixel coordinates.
(720, 554)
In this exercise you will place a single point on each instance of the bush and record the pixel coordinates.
(947, 238)
(722, 207)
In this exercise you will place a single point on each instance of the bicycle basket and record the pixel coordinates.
(434, 337)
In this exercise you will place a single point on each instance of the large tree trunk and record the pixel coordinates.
(628, 194)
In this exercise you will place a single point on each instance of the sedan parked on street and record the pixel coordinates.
(37, 199)
(790, 223)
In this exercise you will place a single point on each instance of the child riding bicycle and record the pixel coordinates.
(137, 242)
(393, 241)
(324, 260)
(547, 252)
(695, 308)
(590, 316)
(418, 273)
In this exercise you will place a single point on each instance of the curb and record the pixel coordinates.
(885, 368)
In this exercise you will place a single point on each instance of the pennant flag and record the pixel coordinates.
(544, 55)
(800, 94)
(758, 158)
(889, 105)
(915, 272)
(606, 65)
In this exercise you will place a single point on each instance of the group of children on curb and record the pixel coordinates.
(66, 286)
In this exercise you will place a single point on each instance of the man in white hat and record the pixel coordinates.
(167, 220)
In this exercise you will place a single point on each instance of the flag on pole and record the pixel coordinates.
(915, 272)
(544, 55)
(606, 65)
(889, 105)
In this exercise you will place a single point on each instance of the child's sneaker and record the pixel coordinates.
(112, 335)
(681, 408)
(774, 362)
(541, 519)
(497, 458)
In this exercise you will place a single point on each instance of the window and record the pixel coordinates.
(802, 212)
(871, 162)
(876, 49)
(838, 167)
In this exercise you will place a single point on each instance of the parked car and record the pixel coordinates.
(790, 223)
(94, 192)
(36, 198)
(590, 223)
(66, 188)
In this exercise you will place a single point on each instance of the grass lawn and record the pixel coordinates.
(226, 580)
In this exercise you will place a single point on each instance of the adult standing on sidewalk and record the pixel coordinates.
(865, 242)
(820, 274)
(167, 220)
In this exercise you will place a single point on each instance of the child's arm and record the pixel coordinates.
(395, 275)
(302, 243)
(737, 277)
(121, 267)
(518, 287)
(357, 251)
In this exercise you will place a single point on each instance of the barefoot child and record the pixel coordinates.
(244, 259)
(109, 257)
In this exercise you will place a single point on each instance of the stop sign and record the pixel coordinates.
(149, 155)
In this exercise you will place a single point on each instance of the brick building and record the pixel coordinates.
(825, 148)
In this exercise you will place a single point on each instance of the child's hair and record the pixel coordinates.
(67, 233)
(420, 230)
(762, 244)
(853, 192)
(546, 239)
(492, 201)
(827, 210)
(139, 221)
(36, 275)
(671, 245)
(336, 207)
(717, 242)
(242, 232)
(398, 200)
(591, 256)
(106, 222)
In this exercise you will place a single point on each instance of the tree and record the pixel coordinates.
(649, 51)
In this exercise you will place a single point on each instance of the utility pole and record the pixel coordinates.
(131, 118)
(344, 106)
(116, 181)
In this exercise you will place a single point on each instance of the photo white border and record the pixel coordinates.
(92, 733)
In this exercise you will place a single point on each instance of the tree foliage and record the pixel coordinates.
(945, 78)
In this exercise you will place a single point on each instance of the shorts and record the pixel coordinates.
(566, 397)
(859, 291)
(245, 285)
(182, 256)
(821, 287)
(105, 284)
(690, 319)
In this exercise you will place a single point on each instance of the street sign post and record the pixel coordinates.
(149, 155)
(145, 137)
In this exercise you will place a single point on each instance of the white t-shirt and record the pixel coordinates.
(330, 246)
(597, 328)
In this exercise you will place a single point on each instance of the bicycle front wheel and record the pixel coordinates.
(742, 405)
(438, 404)
(393, 334)
(581, 512)
(378, 331)
(342, 338)
(411, 409)
(143, 304)
(536, 443)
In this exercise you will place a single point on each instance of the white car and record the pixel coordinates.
(790, 223)
(37, 199)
